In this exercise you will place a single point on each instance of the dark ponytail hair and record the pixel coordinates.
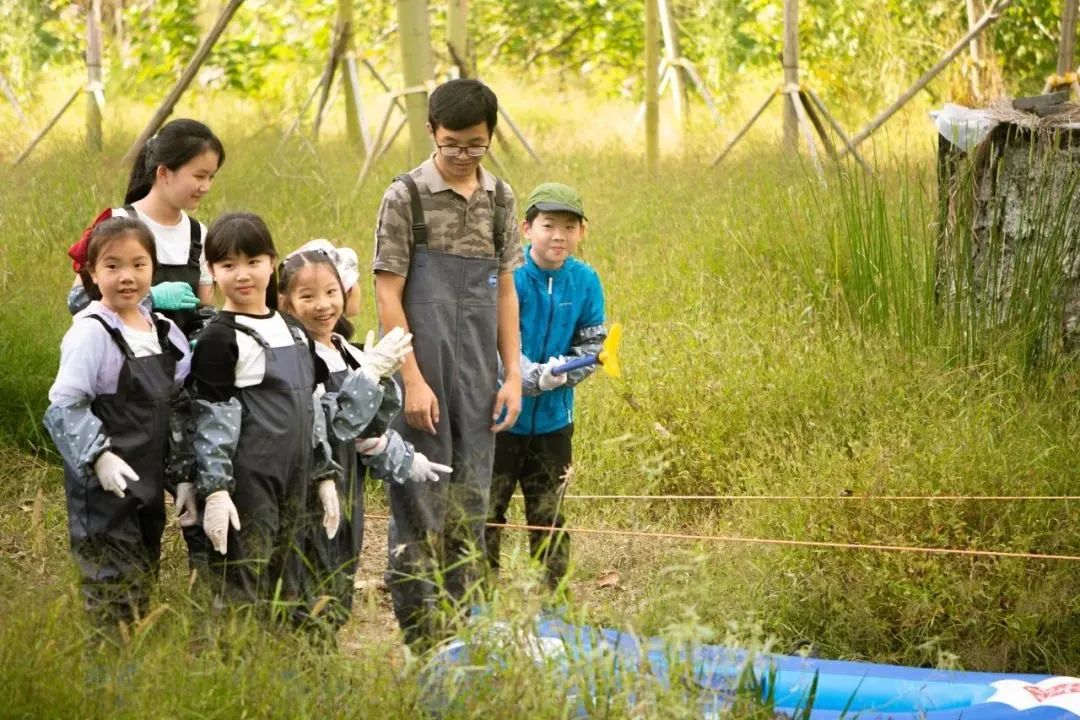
(291, 266)
(104, 233)
(244, 233)
(175, 144)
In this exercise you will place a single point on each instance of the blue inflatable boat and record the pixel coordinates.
(831, 688)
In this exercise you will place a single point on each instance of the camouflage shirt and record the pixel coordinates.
(456, 225)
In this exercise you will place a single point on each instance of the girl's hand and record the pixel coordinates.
(331, 507)
(386, 357)
(113, 473)
(218, 515)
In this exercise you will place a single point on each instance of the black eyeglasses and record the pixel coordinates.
(473, 151)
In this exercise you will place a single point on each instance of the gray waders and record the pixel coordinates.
(333, 561)
(436, 535)
(117, 541)
(272, 469)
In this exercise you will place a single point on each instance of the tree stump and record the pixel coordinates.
(1008, 252)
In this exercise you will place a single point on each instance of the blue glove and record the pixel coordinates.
(173, 296)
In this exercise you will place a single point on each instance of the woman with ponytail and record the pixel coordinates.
(171, 174)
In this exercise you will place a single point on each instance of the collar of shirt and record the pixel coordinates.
(98, 308)
(535, 270)
(436, 183)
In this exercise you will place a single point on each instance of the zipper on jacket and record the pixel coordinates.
(543, 348)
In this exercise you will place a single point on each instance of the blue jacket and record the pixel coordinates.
(562, 315)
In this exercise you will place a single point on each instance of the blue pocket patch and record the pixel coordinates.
(493, 280)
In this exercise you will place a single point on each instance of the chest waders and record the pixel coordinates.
(272, 476)
(333, 562)
(189, 322)
(436, 530)
(117, 541)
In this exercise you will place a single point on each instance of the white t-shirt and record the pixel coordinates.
(143, 343)
(332, 357)
(174, 242)
(251, 360)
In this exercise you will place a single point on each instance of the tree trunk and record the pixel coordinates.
(352, 109)
(652, 85)
(94, 92)
(673, 54)
(458, 26)
(416, 70)
(1066, 63)
(984, 78)
(791, 72)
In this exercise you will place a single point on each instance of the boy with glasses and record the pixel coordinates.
(446, 247)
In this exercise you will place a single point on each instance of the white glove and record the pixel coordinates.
(187, 512)
(547, 380)
(371, 446)
(386, 357)
(424, 470)
(331, 517)
(113, 473)
(218, 514)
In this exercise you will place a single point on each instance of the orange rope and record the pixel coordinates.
(930, 498)
(773, 541)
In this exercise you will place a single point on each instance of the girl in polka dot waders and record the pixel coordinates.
(318, 286)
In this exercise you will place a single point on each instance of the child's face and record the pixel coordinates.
(463, 166)
(184, 187)
(554, 237)
(315, 299)
(123, 272)
(244, 280)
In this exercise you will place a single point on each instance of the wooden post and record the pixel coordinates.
(652, 99)
(1065, 60)
(352, 98)
(10, 95)
(457, 18)
(673, 56)
(988, 19)
(416, 69)
(791, 73)
(93, 76)
(188, 75)
(326, 82)
(745, 128)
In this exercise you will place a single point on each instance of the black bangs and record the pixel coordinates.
(238, 233)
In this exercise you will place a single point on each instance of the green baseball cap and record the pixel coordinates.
(556, 197)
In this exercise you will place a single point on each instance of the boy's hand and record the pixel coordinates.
(507, 406)
(549, 381)
(421, 406)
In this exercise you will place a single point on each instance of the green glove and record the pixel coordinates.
(173, 296)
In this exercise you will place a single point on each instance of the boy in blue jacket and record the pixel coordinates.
(562, 317)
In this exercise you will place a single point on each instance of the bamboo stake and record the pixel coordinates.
(1065, 62)
(188, 75)
(300, 115)
(837, 129)
(369, 161)
(521, 137)
(701, 88)
(991, 16)
(745, 128)
(93, 76)
(811, 112)
(804, 125)
(352, 75)
(49, 126)
(639, 116)
(326, 81)
(652, 94)
(10, 95)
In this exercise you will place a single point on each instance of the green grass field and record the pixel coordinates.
(780, 339)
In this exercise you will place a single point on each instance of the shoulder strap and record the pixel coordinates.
(163, 328)
(419, 225)
(498, 212)
(195, 247)
(116, 335)
(347, 356)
